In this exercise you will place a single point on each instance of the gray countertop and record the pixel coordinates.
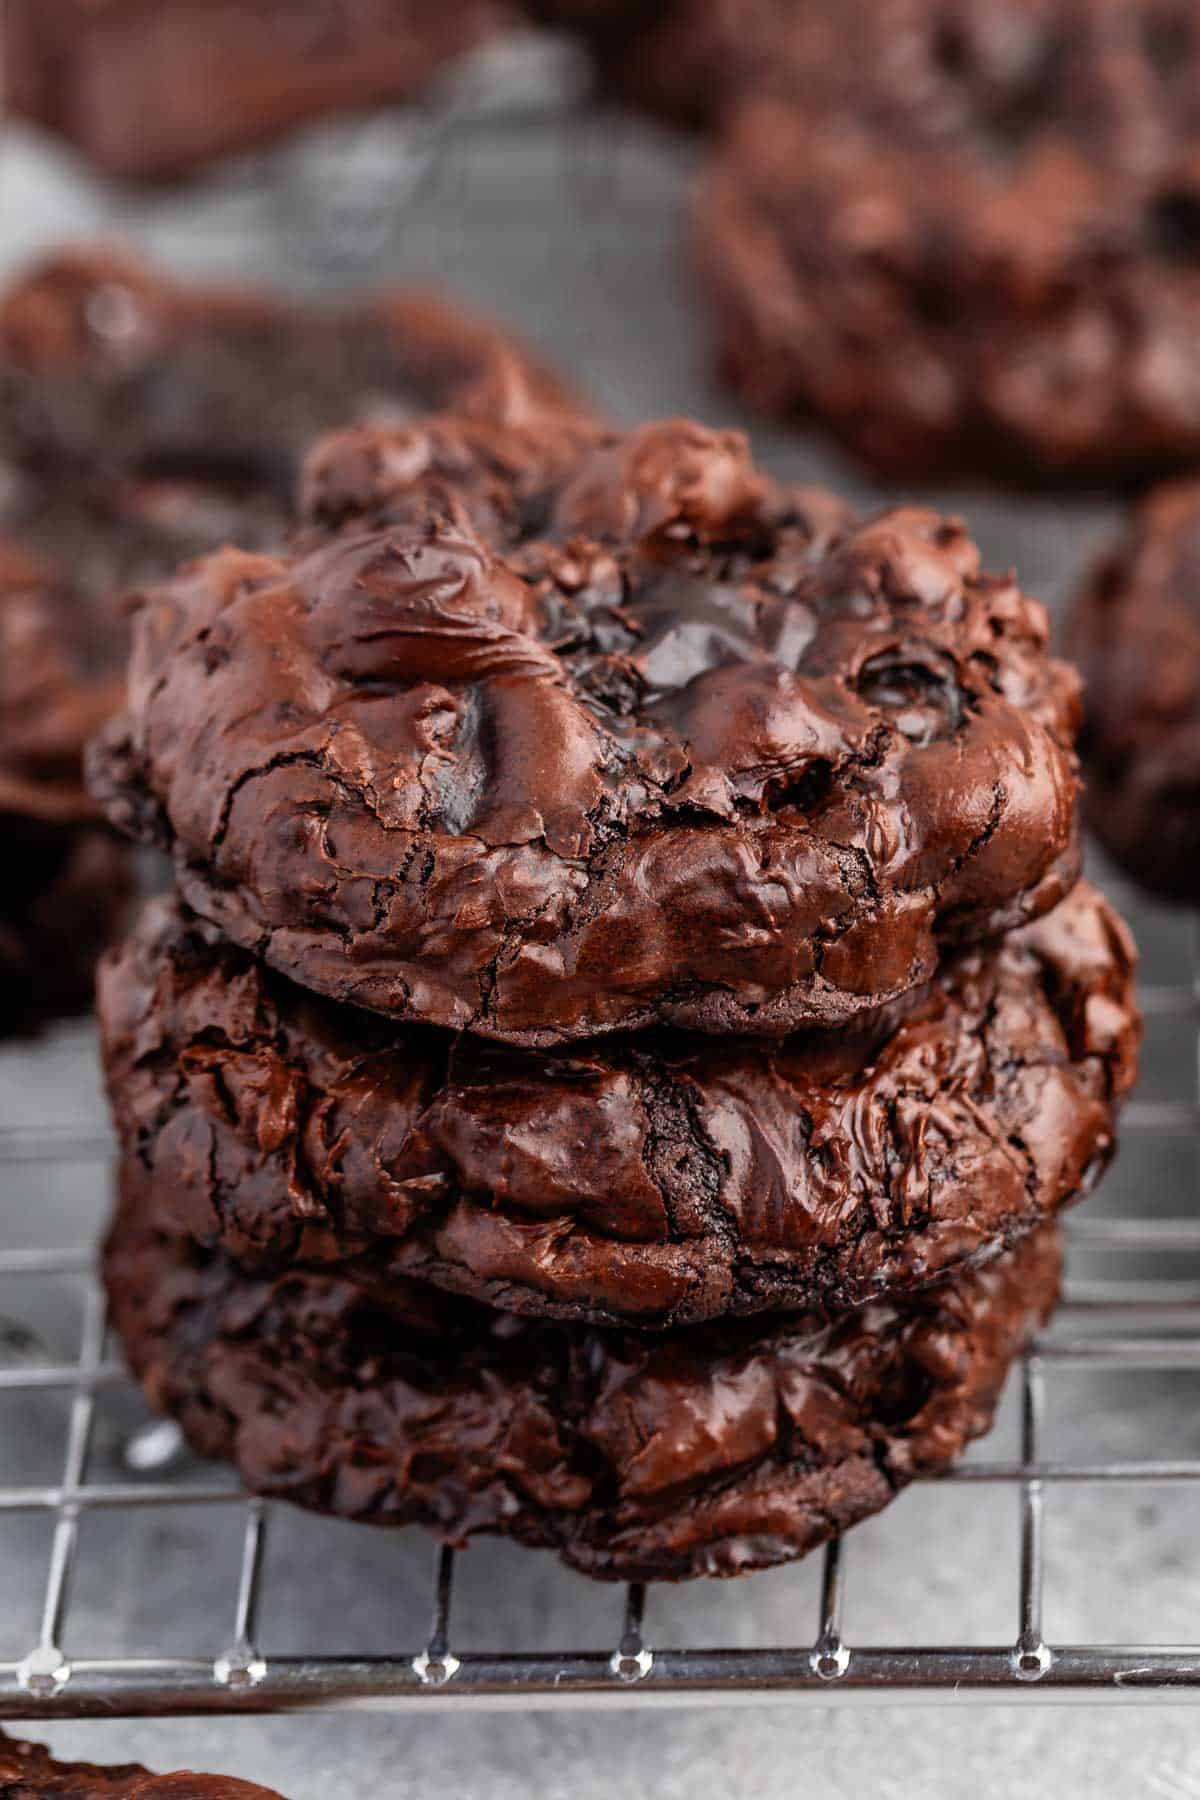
(575, 235)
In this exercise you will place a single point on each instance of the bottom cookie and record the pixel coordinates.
(28, 1771)
(710, 1450)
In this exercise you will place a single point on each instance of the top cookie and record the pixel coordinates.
(966, 233)
(576, 731)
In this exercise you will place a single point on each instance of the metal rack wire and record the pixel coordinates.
(1132, 1323)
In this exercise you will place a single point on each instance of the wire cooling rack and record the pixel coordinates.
(1110, 1327)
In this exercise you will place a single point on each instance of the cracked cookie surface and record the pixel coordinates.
(708, 1451)
(966, 234)
(655, 1180)
(544, 732)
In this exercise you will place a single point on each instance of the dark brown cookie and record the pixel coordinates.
(652, 1181)
(971, 240)
(145, 421)
(1135, 632)
(151, 89)
(691, 61)
(575, 735)
(706, 1451)
(29, 1772)
(67, 877)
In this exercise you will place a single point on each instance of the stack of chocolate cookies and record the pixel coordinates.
(626, 1020)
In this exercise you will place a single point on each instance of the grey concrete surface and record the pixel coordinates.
(575, 235)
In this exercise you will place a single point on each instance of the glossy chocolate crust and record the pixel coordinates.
(652, 1181)
(67, 877)
(707, 1451)
(29, 1772)
(541, 734)
(152, 88)
(145, 421)
(1135, 631)
(974, 242)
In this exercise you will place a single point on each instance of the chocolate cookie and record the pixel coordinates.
(707, 1451)
(149, 89)
(145, 421)
(1135, 632)
(653, 1181)
(29, 1772)
(67, 877)
(972, 239)
(603, 733)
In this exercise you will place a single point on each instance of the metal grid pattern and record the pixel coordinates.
(1127, 1324)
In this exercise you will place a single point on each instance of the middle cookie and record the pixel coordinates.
(652, 1181)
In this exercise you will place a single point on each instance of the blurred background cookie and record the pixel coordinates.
(969, 238)
(1135, 633)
